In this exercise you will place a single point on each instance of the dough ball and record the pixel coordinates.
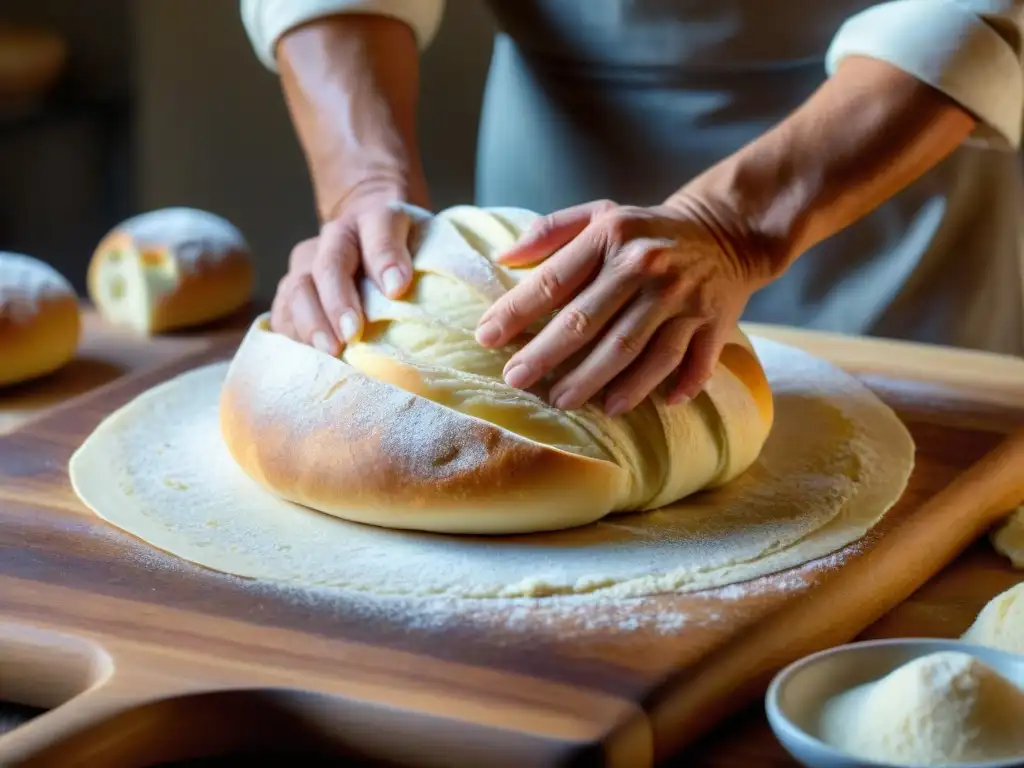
(939, 709)
(39, 319)
(170, 268)
(1000, 624)
(415, 427)
(1008, 539)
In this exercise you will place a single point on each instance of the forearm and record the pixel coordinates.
(351, 84)
(867, 133)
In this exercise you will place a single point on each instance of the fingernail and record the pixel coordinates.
(518, 376)
(488, 334)
(616, 406)
(565, 400)
(392, 281)
(349, 325)
(323, 342)
(678, 399)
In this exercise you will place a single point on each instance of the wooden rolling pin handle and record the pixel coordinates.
(874, 583)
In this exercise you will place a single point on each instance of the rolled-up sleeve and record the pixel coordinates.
(267, 20)
(968, 49)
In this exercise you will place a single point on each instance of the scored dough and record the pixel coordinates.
(415, 428)
(835, 462)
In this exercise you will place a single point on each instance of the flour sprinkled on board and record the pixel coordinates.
(25, 282)
(560, 617)
(791, 507)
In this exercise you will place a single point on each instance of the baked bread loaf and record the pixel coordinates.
(39, 319)
(170, 268)
(414, 427)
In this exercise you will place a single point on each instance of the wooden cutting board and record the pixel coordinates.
(106, 353)
(140, 658)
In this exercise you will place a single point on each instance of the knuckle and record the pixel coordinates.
(626, 345)
(304, 288)
(616, 225)
(605, 206)
(511, 312)
(302, 254)
(548, 283)
(669, 352)
(576, 322)
(541, 227)
(642, 261)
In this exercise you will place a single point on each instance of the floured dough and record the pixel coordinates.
(836, 460)
(415, 428)
(1008, 539)
(1000, 624)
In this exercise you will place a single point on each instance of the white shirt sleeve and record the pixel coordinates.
(968, 49)
(267, 20)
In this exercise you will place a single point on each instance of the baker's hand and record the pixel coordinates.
(317, 301)
(642, 293)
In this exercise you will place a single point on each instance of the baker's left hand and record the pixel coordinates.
(642, 293)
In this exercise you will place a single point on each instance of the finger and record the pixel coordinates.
(311, 324)
(333, 271)
(280, 315)
(662, 356)
(384, 242)
(551, 232)
(579, 323)
(540, 293)
(302, 255)
(615, 351)
(700, 361)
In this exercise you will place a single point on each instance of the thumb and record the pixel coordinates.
(384, 243)
(700, 361)
(551, 232)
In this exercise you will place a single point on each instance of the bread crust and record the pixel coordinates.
(41, 344)
(212, 287)
(315, 431)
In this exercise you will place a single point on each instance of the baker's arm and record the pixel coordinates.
(889, 112)
(350, 75)
(969, 50)
(910, 80)
(266, 21)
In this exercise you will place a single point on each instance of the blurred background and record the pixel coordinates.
(163, 102)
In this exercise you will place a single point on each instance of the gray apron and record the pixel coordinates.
(628, 99)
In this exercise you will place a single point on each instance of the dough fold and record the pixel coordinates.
(414, 427)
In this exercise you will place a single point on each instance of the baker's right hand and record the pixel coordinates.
(317, 301)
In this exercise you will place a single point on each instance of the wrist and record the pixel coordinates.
(374, 189)
(755, 201)
(865, 134)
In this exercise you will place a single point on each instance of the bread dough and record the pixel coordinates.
(836, 460)
(1008, 539)
(415, 427)
(1000, 624)
(939, 709)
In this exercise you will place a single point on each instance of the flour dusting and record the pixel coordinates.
(191, 234)
(25, 282)
(833, 465)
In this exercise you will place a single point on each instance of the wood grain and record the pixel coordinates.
(106, 353)
(188, 647)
